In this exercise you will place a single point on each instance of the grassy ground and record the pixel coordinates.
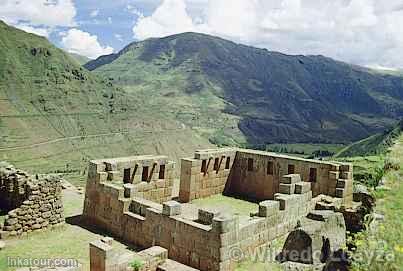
(66, 242)
(304, 149)
(227, 204)
(381, 248)
(363, 164)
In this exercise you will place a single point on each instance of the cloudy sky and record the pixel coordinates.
(365, 32)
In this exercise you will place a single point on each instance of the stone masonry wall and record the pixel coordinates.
(12, 187)
(146, 223)
(205, 243)
(36, 203)
(257, 175)
(150, 177)
(206, 174)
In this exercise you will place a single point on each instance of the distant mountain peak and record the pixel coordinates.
(277, 97)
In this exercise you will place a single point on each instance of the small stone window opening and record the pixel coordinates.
(204, 166)
(250, 164)
(161, 174)
(313, 174)
(126, 175)
(216, 163)
(227, 162)
(270, 168)
(291, 169)
(144, 176)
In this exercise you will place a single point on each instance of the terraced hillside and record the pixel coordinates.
(55, 115)
(373, 145)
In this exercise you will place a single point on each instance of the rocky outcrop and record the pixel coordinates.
(321, 235)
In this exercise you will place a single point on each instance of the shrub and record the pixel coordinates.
(136, 264)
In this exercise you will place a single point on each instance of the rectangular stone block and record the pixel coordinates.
(340, 193)
(130, 190)
(206, 216)
(346, 175)
(291, 179)
(346, 167)
(171, 208)
(302, 187)
(334, 175)
(268, 208)
(287, 188)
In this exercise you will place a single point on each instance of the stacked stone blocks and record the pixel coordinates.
(38, 203)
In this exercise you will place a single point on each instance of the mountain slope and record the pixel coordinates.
(79, 58)
(373, 145)
(232, 92)
(55, 115)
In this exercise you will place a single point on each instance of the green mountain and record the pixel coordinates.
(373, 145)
(236, 94)
(79, 58)
(56, 115)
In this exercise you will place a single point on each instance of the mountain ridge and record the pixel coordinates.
(327, 101)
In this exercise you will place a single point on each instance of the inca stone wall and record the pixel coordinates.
(32, 203)
(116, 201)
(206, 174)
(256, 175)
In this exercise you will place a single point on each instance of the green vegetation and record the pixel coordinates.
(306, 150)
(380, 248)
(69, 241)
(55, 115)
(235, 94)
(79, 58)
(136, 264)
(373, 145)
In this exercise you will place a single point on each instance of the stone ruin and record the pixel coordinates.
(31, 203)
(131, 198)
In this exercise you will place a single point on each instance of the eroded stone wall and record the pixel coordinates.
(33, 202)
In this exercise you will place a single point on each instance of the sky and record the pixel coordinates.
(363, 32)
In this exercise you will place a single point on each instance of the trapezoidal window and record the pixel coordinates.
(291, 169)
(227, 162)
(204, 166)
(144, 176)
(126, 175)
(161, 175)
(250, 164)
(270, 168)
(216, 163)
(313, 175)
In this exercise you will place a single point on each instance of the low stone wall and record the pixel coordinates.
(37, 203)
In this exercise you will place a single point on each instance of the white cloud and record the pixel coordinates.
(44, 32)
(83, 43)
(366, 32)
(38, 12)
(118, 37)
(94, 13)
